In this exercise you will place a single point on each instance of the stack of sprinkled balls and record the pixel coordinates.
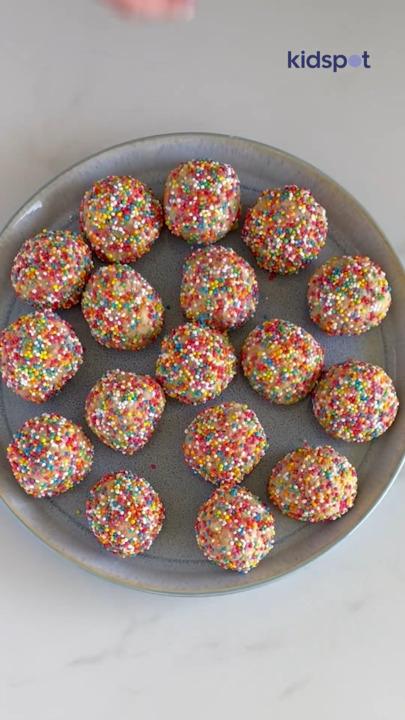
(120, 219)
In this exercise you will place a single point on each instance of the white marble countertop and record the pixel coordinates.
(328, 640)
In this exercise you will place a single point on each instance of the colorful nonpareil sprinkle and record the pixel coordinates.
(195, 364)
(123, 410)
(122, 309)
(121, 218)
(348, 295)
(281, 361)
(125, 513)
(224, 443)
(313, 484)
(51, 269)
(202, 201)
(355, 401)
(234, 529)
(219, 288)
(39, 353)
(49, 455)
(286, 229)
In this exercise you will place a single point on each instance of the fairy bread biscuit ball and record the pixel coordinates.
(313, 484)
(286, 229)
(219, 288)
(355, 401)
(49, 455)
(125, 513)
(195, 364)
(121, 218)
(51, 269)
(224, 443)
(123, 409)
(348, 295)
(281, 361)
(234, 529)
(122, 309)
(202, 201)
(39, 353)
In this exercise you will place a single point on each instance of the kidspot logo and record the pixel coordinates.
(326, 61)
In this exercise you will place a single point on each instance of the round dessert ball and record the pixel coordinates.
(313, 484)
(39, 353)
(348, 295)
(125, 513)
(286, 229)
(121, 218)
(49, 455)
(234, 529)
(355, 401)
(219, 288)
(51, 269)
(224, 443)
(281, 361)
(195, 364)
(122, 309)
(202, 201)
(123, 409)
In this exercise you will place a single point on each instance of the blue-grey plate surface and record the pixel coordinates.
(174, 563)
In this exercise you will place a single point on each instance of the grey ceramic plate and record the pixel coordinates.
(174, 564)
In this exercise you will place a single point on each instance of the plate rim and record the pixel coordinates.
(134, 583)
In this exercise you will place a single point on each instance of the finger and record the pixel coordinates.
(154, 8)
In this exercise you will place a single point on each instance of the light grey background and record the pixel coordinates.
(330, 638)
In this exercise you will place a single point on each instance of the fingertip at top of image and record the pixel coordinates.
(154, 9)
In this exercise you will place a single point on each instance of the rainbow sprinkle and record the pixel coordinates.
(122, 309)
(348, 295)
(313, 484)
(202, 201)
(281, 361)
(125, 513)
(123, 409)
(285, 230)
(219, 288)
(39, 353)
(355, 401)
(49, 455)
(121, 218)
(224, 443)
(234, 529)
(51, 269)
(195, 364)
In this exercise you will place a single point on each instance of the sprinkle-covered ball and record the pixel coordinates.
(285, 230)
(355, 401)
(224, 443)
(49, 455)
(122, 309)
(123, 410)
(121, 218)
(39, 353)
(125, 513)
(234, 529)
(202, 201)
(348, 295)
(51, 269)
(313, 484)
(195, 364)
(281, 361)
(219, 288)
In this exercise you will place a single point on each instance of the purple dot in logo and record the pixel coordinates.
(354, 60)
